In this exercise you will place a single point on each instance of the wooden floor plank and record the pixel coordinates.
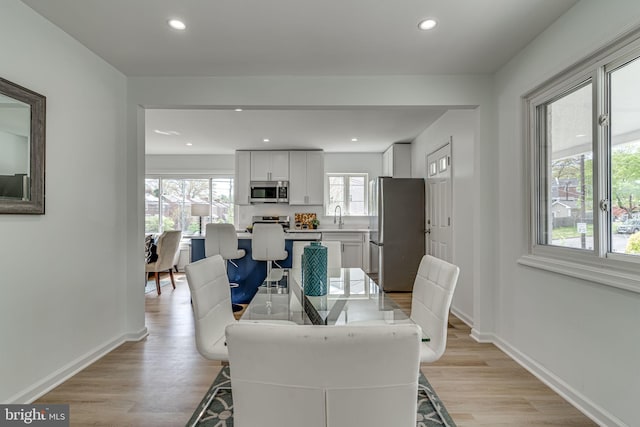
(160, 380)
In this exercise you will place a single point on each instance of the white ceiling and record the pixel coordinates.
(297, 38)
(223, 131)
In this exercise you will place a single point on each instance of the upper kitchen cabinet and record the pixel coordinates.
(396, 161)
(269, 166)
(241, 187)
(306, 183)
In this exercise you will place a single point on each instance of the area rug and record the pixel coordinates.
(164, 281)
(219, 413)
(151, 285)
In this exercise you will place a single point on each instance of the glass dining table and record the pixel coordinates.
(352, 297)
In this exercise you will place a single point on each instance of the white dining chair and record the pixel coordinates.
(433, 290)
(211, 304)
(430, 304)
(323, 376)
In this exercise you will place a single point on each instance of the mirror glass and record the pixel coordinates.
(22, 125)
(15, 117)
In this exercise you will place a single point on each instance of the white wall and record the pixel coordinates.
(582, 337)
(370, 163)
(63, 293)
(460, 125)
(190, 164)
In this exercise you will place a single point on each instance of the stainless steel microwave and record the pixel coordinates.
(269, 192)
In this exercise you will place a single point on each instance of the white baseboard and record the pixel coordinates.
(581, 402)
(136, 336)
(482, 337)
(468, 320)
(48, 383)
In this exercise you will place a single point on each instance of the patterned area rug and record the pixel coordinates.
(165, 280)
(151, 285)
(219, 413)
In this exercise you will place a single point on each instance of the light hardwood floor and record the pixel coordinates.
(160, 380)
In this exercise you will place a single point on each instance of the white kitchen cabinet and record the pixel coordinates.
(396, 161)
(269, 166)
(306, 177)
(352, 247)
(241, 187)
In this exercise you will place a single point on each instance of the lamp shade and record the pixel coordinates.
(200, 209)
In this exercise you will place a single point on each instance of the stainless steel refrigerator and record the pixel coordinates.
(397, 236)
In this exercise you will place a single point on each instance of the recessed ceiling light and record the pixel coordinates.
(176, 24)
(581, 135)
(428, 24)
(188, 144)
(238, 109)
(265, 140)
(354, 139)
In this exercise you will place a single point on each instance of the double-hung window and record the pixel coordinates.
(349, 191)
(583, 129)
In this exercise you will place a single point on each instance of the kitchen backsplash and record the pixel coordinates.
(246, 213)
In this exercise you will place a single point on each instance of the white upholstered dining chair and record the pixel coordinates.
(324, 376)
(430, 304)
(211, 304)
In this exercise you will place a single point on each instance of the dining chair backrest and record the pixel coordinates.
(211, 303)
(222, 239)
(319, 376)
(431, 300)
(334, 253)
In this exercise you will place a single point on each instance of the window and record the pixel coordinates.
(170, 198)
(566, 170)
(349, 191)
(584, 134)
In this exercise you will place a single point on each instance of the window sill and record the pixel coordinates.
(603, 275)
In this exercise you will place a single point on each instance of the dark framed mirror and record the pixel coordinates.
(22, 144)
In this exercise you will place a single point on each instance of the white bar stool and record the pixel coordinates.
(221, 239)
(267, 244)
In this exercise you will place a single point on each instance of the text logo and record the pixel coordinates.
(34, 415)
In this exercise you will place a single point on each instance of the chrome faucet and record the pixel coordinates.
(340, 223)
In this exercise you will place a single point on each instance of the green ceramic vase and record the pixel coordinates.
(314, 269)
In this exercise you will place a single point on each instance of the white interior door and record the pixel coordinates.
(439, 206)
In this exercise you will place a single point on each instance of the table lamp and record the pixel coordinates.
(200, 210)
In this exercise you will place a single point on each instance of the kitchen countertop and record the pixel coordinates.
(331, 230)
(310, 235)
(301, 234)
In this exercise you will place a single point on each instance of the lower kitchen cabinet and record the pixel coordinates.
(352, 247)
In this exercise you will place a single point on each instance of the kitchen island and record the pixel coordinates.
(249, 274)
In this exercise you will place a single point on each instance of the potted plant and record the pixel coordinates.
(315, 223)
